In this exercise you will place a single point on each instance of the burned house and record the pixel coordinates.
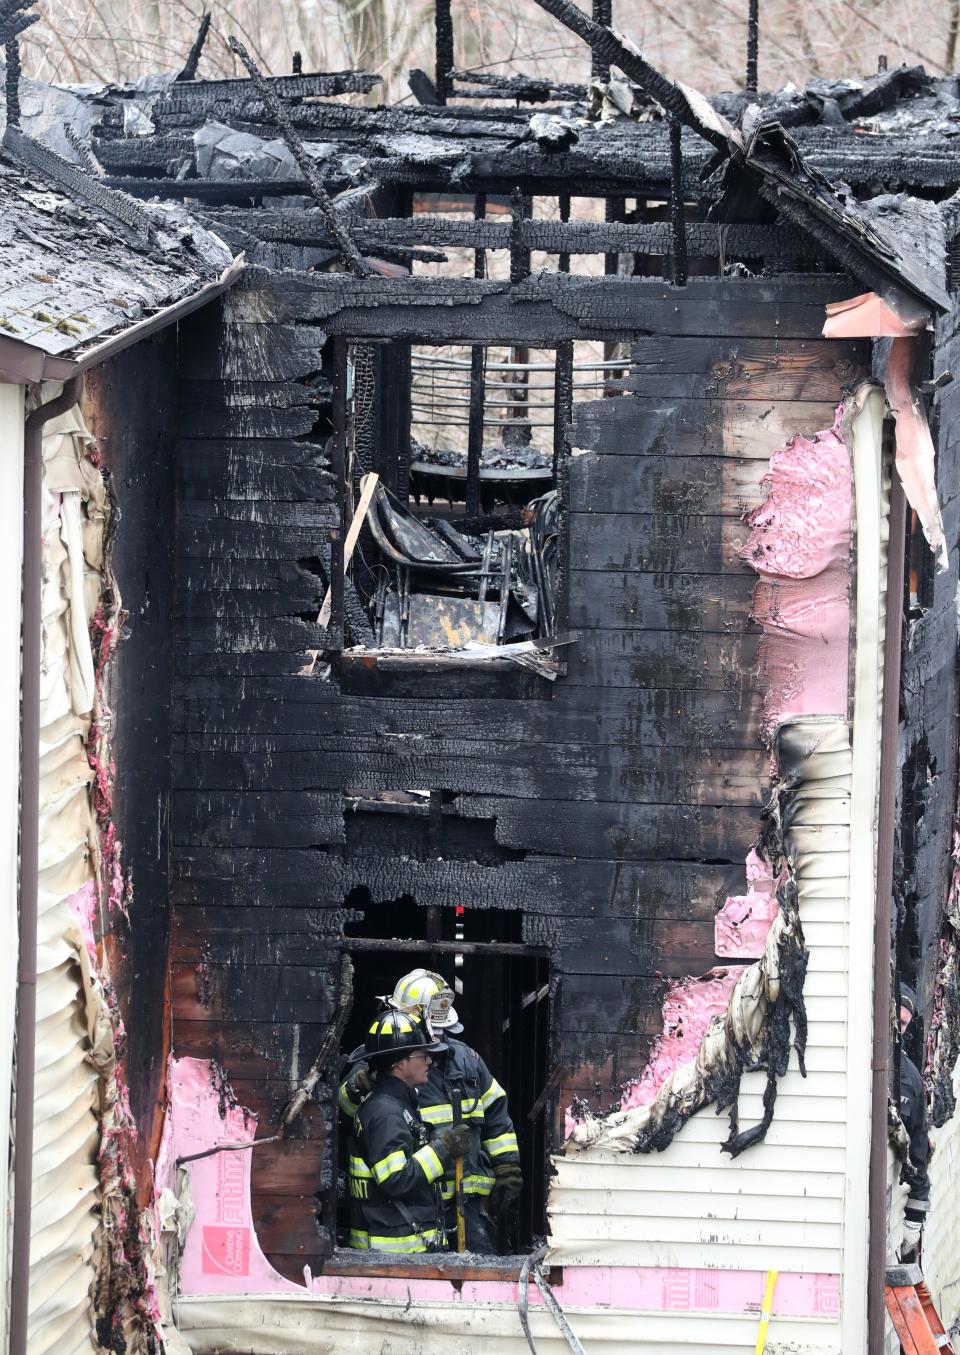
(538, 562)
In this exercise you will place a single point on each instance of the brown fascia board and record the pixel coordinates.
(23, 363)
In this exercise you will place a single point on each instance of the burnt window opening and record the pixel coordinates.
(451, 462)
(502, 997)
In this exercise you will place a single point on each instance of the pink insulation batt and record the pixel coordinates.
(799, 544)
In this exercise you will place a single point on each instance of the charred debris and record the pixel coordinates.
(463, 655)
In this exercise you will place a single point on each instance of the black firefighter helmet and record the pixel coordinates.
(393, 1035)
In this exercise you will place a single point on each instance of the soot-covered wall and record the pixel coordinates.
(131, 406)
(611, 811)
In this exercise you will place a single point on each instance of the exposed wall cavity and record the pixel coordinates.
(88, 1242)
(799, 544)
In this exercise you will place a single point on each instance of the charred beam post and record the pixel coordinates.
(296, 67)
(677, 211)
(337, 535)
(521, 209)
(12, 82)
(443, 20)
(562, 403)
(364, 420)
(13, 21)
(475, 430)
(351, 256)
(602, 14)
(404, 377)
(753, 45)
(477, 386)
(563, 258)
(189, 71)
(613, 212)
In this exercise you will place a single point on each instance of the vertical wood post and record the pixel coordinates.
(444, 50)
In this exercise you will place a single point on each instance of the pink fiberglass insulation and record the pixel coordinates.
(799, 544)
(740, 927)
(688, 1008)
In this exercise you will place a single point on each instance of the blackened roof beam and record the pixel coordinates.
(771, 159)
(352, 258)
(685, 105)
(14, 20)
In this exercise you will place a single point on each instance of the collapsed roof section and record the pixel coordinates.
(84, 268)
(216, 142)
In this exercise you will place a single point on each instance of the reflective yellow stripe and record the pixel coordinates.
(472, 1185)
(348, 1107)
(389, 1166)
(358, 1238)
(358, 1167)
(390, 1023)
(430, 1164)
(493, 1093)
(440, 1114)
(503, 1143)
(412, 1242)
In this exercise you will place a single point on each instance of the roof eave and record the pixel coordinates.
(23, 363)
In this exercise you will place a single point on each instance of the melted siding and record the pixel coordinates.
(65, 1219)
(11, 558)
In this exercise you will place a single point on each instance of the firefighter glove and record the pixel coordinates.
(359, 1083)
(912, 1229)
(508, 1182)
(454, 1139)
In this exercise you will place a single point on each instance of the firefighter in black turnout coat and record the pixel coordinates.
(459, 1090)
(396, 1166)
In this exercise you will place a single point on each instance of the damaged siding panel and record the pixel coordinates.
(804, 1151)
(11, 560)
(351, 1327)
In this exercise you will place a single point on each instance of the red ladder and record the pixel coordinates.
(914, 1317)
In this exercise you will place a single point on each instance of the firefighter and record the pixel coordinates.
(459, 1088)
(913, 1112)
(396, 1162)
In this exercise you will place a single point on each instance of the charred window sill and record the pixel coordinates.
(424, 661)
(454, 1268)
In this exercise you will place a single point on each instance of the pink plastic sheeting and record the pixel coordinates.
(688, 1008)
(916, 459)
(222, 1254)
(741, 926)
(866, 317)
(641, 1288)
(799, 544)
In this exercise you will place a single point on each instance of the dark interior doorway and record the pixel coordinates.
(502, 998)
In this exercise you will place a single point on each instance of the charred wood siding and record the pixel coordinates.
(928, 731)
(612, 810)
(134, 419)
